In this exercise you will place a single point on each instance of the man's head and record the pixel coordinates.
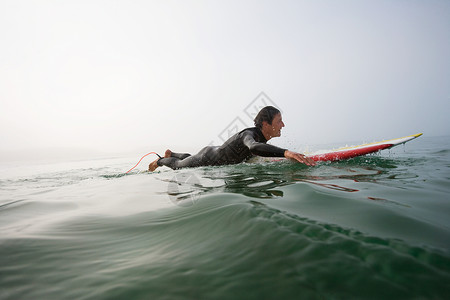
(269, 121)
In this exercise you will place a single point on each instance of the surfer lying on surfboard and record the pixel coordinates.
(240, 147)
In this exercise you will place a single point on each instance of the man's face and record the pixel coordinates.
(275, 127)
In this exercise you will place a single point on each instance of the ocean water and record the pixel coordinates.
(374, 227)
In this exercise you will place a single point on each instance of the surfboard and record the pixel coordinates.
(350, 152)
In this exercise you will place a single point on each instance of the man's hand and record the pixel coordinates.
(299, 157)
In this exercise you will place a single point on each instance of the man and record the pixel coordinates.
(238, 148)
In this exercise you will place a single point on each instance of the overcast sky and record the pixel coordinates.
(124, 75)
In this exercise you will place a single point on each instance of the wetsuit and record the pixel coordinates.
(236, 149)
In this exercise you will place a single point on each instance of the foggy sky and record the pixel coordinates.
(124, 75)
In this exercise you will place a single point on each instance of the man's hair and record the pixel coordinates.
(266, 114)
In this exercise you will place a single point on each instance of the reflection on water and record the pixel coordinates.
(330, 186)
(265, 180)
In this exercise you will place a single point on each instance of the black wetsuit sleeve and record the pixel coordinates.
(262, 149)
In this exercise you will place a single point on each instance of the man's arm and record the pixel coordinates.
(262, 149)
(266, 150)
(299, 157)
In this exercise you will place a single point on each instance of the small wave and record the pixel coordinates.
(10, 203)
(226, 244)
(114, 176)
(442, 152)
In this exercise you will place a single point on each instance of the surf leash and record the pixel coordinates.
(141, 160)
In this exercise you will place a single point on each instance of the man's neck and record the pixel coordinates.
(266, 135)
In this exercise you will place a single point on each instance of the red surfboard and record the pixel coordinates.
(348, 152)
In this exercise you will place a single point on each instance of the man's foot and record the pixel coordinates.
(168, 153)
(153, 165)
